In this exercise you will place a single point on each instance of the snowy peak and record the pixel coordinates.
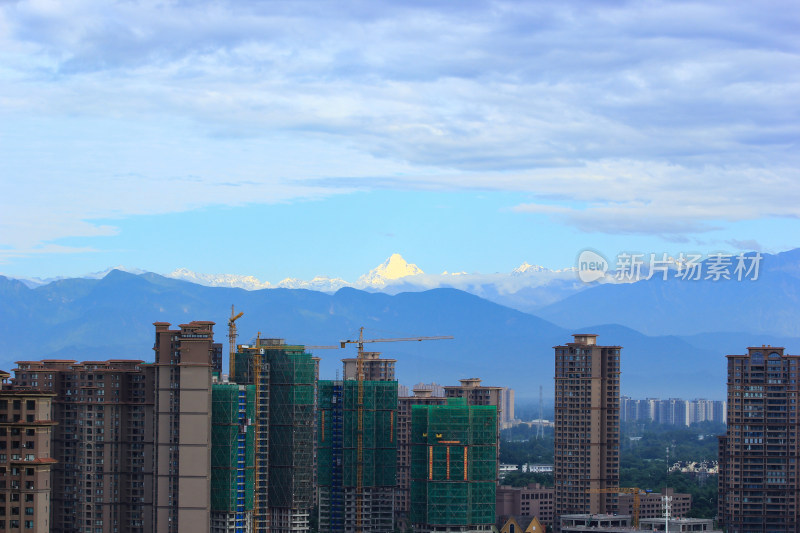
(527, 268)
(393, 268)
(318, 283)
(250, 283)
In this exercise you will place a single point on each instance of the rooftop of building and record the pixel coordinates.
(370, 356)
(585, 339)
(471, 383)
(71, 364)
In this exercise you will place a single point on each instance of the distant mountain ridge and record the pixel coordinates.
(527, 287)
(112, 317)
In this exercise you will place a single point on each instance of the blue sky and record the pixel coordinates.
(300, 138)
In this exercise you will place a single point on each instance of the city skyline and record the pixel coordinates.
(361, 130)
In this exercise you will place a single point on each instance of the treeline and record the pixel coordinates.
(647, 451)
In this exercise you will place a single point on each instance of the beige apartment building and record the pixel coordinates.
(587, 400)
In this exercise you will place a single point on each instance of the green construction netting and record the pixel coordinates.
(378, 436)
(441, 437)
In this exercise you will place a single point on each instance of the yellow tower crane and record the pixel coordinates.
(360, 408)
(636, 491)
(232, 342)
(260, 523)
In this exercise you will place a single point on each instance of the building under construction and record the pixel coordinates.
(453, 465)
(232, 457)
(284, 379)
(357, 455)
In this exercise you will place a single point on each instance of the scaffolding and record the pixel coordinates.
(347, 483)
(232, 455)
(453, 464)
(284, 377)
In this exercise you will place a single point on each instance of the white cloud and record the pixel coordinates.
(656, 117)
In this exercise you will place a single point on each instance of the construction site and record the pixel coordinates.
(232, 456)
(284, 379)
(357, 455)
(453, 466)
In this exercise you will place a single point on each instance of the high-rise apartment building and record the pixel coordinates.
(232, 457)
(477, 394)
(182, 478)
(758, 456)
(403, 492)
(102, 442)
(25, 459)
(453, 467)
(285, 385)
(587, 401)
(375, 368)
(357, 455)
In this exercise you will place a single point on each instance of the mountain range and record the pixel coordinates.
(675, 333)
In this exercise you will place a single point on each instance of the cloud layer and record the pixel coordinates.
(620, 117)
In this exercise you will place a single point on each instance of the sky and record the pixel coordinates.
(301, 138)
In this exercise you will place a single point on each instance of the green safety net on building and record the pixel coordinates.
(226, 400)
(379, 436)
(448, 441)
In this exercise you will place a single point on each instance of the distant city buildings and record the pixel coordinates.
(673, 411)
(587, 427)
(701, 470)
(759, 478)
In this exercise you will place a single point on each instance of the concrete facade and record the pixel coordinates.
(103, 441)
(587, 431)
(533, 500)
(25, 460)
(758, 470)
(183, 369)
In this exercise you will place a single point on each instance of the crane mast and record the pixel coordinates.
(232, 342)
(360, 410)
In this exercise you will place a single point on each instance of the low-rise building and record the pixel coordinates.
(534, 500)
(596, 523)
(651, 505)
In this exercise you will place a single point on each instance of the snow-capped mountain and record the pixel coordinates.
(318, 283)
(527, 268)
(251, 283)
(393, 268)
(526, 287)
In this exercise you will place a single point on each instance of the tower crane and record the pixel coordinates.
(360, 407)
(232, 341)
